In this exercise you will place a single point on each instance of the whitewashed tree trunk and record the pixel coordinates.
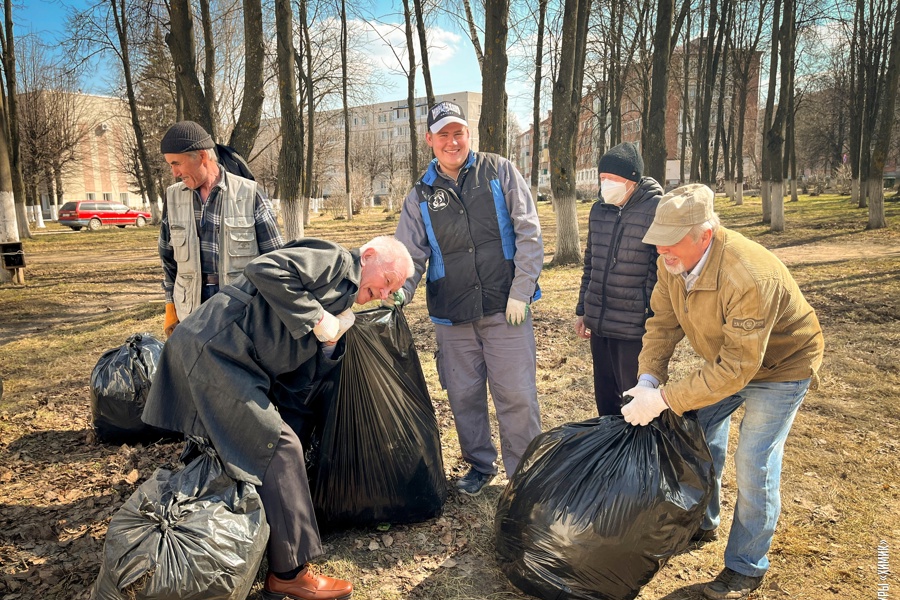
(777, 200)
(794, 196)
(293, 219)
(39, 216)
(738, 192)
(9, 231)
(854, 191)
(765, 190)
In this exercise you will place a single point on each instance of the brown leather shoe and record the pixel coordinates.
(307, 586)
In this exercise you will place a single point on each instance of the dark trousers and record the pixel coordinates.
(615, 370)
(293, 532)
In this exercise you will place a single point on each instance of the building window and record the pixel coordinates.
(91, 196)
(107, 197)
(123, 198)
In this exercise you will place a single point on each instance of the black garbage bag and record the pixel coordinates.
(120, 383)
(192, 534)
(596, 508)
(375, 452)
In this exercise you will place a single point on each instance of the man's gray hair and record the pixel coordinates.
(210, 152)
(392, 254)
(711, 224)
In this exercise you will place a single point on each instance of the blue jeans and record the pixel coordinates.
(769, 410)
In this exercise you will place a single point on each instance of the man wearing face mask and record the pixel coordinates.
(619, 274)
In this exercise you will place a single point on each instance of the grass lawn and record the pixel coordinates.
(86, 292)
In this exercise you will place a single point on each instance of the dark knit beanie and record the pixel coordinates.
(623, 160)
(185, 136)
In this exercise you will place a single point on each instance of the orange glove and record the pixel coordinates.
(171, 319)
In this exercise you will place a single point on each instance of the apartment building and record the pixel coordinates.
(380, 145)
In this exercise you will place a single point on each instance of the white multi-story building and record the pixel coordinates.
(380, 145)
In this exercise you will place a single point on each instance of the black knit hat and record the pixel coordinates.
(623, 160)
(185, 136)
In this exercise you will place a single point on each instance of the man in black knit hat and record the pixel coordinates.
(619, 274)
(213, 223)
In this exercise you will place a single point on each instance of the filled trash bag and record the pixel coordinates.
(190, 534)
(596, 508)
(120, 383)
(375, 451)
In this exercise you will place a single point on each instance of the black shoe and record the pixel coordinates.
(731, 585)
(705, 535)
(473, 482)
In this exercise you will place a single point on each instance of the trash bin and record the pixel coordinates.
(13, 255)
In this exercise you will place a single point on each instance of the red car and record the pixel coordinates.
(94, 214)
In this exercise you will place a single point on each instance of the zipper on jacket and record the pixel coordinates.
(610, 262)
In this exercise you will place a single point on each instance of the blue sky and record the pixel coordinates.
(451, 56)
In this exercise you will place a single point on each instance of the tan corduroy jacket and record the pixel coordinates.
(745, 316)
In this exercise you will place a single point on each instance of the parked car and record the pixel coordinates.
(93, 215)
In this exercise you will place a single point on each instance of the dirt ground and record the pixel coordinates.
(59, 488)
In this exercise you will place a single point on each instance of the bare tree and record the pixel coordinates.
(564, 132)
(774, 140)
(473, 34)
(423, 51)
(243, 136)
(664, 37)
(180, 40)
(290, 166)
(8, 46)
(536, 108)
(411, 96)
(92, 29)
(884, 128)
(492, 125)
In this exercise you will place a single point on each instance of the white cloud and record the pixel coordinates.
(385, 44)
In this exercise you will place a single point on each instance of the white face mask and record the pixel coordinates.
(613, 192)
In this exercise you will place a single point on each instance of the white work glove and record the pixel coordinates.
(396, 300)
(346, 320)
(647, 404)
(516, 311)
(580, 330)
(328, 328)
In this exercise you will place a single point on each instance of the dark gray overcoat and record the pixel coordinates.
(217, 370)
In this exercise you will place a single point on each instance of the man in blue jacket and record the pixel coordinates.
(472, 219)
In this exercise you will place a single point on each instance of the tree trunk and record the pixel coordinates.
(411, 97)
(883, 139)
(209, 71)
(423, 49)
(857, 92)
(309, 186)
(346, 110)
(243, 136)
(492, 126)
(180, 40)
(120, 18)
(655, 150)
(685, 99)
(564, 130)
(536, 111)
(473, 35)
(290, 168)
(767, 166)
(775, 134)
(12, 115)
(9, 230)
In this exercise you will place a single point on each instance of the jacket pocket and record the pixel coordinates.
(183, 292)
(241, 237)
(180, 246)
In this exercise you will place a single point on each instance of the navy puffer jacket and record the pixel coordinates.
(619, 269)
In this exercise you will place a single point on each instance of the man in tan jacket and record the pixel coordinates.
(762, 346)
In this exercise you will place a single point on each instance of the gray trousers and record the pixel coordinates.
(490, 351)
(293, 532)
